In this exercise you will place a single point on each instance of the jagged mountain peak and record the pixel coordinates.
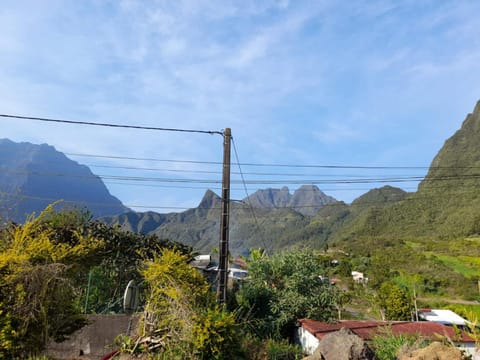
(269, 198)
(459, 157)
(307, 199)
(209, 200)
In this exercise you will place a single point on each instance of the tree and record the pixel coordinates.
(38, 299)
(395, 302)
(284, 288)
(115, 261)
(46, 262)
(380, 268)
(181, 311)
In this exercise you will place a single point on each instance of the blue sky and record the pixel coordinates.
(344, 83)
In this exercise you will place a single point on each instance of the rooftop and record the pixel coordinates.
(367, 329)
(446, 317)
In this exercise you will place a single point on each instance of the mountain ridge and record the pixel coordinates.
(446, 205)
(33, 176)
(447, 202)
(307, 199)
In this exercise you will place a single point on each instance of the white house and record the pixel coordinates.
(358, 277)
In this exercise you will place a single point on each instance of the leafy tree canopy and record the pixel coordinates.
(285, 287)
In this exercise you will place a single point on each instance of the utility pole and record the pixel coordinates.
(224, 221)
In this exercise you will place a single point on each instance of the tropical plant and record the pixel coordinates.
(283, 288)
(387, 346)
(38, 299)
(181, 313)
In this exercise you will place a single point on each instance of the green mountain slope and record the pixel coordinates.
(270, 228)
(447, 203)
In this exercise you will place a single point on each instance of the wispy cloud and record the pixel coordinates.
(336, 132)
(276, 72)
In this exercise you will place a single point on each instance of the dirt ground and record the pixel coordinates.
(435, 351)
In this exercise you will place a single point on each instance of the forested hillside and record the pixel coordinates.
(447, 203)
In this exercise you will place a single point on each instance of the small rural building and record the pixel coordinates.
(446, 317)
(201, 261)
(358, 277)
(311, 332)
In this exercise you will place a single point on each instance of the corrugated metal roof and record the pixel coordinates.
(441, 316)
(367, 329)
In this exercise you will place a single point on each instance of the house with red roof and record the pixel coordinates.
(311, 332)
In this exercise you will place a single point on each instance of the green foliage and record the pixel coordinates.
(214, 333)
(181, 310)
(473, 328)
(113, 263)
(468, 266)
(282, 350)
(344, 268)
(283, 288)
(268, 349)
(44, 264)
(395, 302)
(386, 345)
(38, 298)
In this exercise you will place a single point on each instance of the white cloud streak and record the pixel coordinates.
(276, 72)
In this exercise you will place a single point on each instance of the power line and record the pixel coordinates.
(219, 172)
(250, 164)
(311, 181)
(144, 159)
(359, 203)
(293, 166)
(211, 132)
(241, 181)
(82, 202)
(248, 197)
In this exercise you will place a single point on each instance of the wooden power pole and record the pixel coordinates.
(224, 221)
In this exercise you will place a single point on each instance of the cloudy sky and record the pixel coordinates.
(309, 85)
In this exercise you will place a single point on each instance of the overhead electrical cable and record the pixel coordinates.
(144, 159)
(358, 203)
(232, 172)
(219, 181)
(248, 198)
(32, 118)
(293, 166)
(311, 181)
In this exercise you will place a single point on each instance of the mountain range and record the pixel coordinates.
(34, 176)
(264, 219)
(446, 204)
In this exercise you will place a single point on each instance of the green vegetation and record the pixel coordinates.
(36, 286)
(395, 302)
(283, 288)
(387, 345)
(72, 265)
(45, 266)
(180, 310)
(467, 266)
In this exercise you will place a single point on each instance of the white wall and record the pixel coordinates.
(307, 341)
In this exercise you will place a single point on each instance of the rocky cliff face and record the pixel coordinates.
(34, 176)
(447, 203)
(458, 161)
(307, 200)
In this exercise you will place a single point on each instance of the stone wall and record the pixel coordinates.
(94, 340)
